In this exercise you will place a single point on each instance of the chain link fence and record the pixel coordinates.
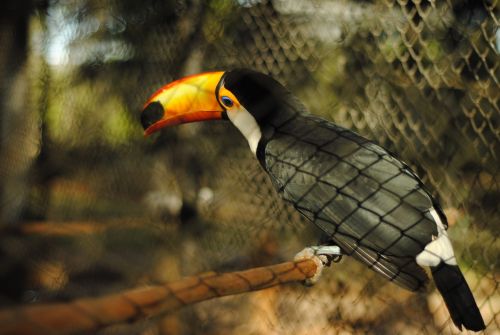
(420, 77)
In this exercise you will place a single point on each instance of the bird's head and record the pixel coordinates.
(247, 98)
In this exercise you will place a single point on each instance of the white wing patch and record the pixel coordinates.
(440, 249)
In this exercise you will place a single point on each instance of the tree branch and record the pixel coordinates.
(92, 314)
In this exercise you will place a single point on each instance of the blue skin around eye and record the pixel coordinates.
(227, 101)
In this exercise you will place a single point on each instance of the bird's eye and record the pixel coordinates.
(226, 101)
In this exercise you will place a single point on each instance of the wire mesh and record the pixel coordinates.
(420, 77)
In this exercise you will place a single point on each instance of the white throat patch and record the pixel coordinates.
(247, 125)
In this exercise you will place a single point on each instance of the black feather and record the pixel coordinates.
(458, 297)
(356, 192)
(368, 202)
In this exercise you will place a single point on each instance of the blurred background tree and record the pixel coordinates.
(89, 206)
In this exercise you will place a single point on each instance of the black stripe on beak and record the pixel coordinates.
(151, 114)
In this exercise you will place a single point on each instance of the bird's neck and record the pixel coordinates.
(255, 131)
(248, 126)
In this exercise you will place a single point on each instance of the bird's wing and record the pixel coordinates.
(369, 202)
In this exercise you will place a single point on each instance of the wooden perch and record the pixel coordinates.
(92, 314)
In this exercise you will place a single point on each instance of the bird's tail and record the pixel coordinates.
(458, 297)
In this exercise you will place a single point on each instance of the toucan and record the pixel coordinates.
(367, 201)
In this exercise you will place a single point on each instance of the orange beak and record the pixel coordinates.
(189, 99)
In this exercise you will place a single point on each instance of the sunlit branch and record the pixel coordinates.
(92, 314)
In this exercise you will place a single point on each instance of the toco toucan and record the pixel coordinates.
(368, 202)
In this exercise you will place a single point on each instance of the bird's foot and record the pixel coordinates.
(332, 253)
(322, 255)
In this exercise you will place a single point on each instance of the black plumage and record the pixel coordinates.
(457, 296)
(370, 203)
(365, 199)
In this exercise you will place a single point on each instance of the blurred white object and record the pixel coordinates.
(164, 203)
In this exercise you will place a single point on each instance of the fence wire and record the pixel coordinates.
(419, 77)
